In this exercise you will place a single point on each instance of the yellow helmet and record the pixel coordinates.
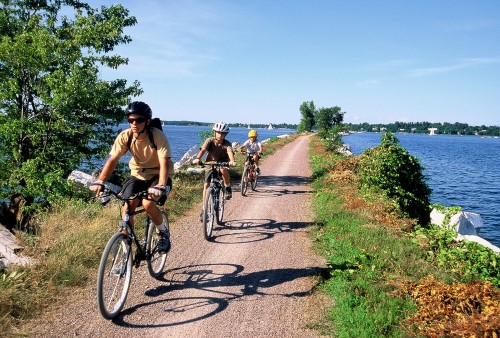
(252, 133)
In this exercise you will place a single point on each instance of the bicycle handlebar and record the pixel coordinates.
(106, 191)
(215, 163)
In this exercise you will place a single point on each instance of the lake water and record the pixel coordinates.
(461, 171)
(182, 138)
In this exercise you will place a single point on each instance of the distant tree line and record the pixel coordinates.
(423, 128)
(234, 125)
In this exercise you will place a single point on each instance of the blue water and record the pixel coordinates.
(461, 171)
(182, 138)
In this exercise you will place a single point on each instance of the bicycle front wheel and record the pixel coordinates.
(156, 261)
(244, 181)
(115, 274)
(220, 207)
(209, 214)
(253, 182)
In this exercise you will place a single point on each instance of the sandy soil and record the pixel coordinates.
(256, 279)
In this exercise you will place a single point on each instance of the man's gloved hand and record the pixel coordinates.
(232, 164)
(196, 161)
(159, 190)
(97, 186)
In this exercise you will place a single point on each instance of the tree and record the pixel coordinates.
(55, 111)
(308, 111)
(326, 118)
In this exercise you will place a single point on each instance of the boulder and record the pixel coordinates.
(463, 222)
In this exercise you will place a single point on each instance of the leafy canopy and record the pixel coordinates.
(55, 110)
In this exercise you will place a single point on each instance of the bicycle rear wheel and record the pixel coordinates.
(115, 273)
(209, 214)
(155, 260)
(220, 207)
(244, 181)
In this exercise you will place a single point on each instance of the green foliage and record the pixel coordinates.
(204, 134)
(55, 111)
(333, 138)
(308, 111)
(468, 259)
(326, 119)
(390, 169)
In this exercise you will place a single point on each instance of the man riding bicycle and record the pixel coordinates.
(151, 167)
(220, 150)
(253, 147)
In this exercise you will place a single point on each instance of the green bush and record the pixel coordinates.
(390, 169)
(469, 259)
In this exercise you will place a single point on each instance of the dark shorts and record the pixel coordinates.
(208, 174)
(134, 185)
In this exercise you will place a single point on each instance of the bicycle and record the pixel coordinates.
(213, 207)
(249, 175)
(115, 268)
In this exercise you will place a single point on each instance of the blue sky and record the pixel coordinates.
(257, 61)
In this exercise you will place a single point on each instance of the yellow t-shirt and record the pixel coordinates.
(144, 163)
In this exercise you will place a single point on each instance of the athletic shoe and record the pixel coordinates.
(229, 193)
(163, 242)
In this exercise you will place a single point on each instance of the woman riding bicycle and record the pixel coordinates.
(218, 149)
(253, 147)
(151, 167)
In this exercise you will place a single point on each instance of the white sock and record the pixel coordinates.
(162, 226)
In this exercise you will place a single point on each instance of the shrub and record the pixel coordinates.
(390, 169)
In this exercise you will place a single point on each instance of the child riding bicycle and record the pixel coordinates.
(151, 167)
(252, 146)
(218, 149)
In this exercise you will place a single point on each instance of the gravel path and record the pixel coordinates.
(254, 280)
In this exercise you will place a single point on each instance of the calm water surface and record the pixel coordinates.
(182, 138)
(461, 171)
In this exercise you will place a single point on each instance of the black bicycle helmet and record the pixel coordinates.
(139, 108)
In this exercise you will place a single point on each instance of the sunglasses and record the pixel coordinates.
(137, 121)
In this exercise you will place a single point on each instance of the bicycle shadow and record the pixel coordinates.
(266, 192)
(240, 231)
(270, 185)
(285, 180)
(207, 278)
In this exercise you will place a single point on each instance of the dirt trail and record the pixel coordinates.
(254, 280)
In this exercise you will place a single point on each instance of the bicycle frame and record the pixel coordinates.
(213, 205)
(125, 225)
(248, 175)
(216, 183)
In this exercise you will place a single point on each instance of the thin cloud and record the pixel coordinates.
(179, 39)
(466, 63)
